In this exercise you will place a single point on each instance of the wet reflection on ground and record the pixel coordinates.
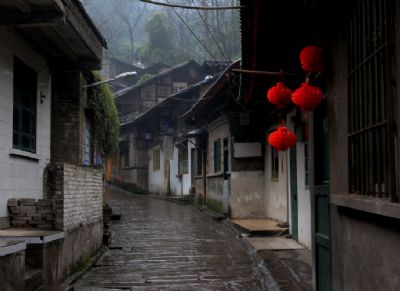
(160, 245)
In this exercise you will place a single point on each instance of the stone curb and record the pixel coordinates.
(67, 284)
(267, 279)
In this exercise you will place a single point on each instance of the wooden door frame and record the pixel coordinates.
(312, 197)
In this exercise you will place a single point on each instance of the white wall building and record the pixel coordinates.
(24, 141)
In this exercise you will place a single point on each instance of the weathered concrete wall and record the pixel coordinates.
(78, 246)
(365, 246)
(366, 254)
(215, 188)
(12, 272)
(198, 184)
(21, 177)
(247, 197)
(276, 190)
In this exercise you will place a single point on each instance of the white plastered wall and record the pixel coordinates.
(276, 191)
(156, 177)
(21, 177)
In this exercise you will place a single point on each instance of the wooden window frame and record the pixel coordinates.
(156, 159)
(183, 161)
(24, 106)
(217, 156)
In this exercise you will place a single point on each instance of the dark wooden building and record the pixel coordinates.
(353, 138)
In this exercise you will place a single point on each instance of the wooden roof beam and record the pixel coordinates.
(23, 5)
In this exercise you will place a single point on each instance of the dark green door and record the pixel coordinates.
(293, 192)
(321, 200)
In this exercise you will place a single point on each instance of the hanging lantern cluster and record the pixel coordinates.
(307, 97)
(279, 95)
(282, 138)
(312, 59)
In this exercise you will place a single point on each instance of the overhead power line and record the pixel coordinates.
(192, 7)
(194, 34)
(224, 54)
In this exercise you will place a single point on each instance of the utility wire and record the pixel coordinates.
(170, 97)
(192, 32)
(192, 7)
(212, 35)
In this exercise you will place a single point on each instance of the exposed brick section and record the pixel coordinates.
(67, 118)
(77, 194)
(26, 212)
(4, 222)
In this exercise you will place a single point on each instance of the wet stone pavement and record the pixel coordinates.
(162, 245)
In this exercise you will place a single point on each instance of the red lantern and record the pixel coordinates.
(312, 59)
(282, 139)
(279, 95)
(307, 97)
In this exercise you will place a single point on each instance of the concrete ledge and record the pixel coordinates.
(31, 236)
(24, 154)
(364, 203)
(11, 247)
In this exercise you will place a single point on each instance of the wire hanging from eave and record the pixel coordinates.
(191, 7)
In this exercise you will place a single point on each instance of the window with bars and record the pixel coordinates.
(370, 137)
(24, 115)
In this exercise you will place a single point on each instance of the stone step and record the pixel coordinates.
(33, 279)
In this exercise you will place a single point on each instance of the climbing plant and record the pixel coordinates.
(105, 116)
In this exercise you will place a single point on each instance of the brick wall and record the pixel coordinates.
(28, 212)
(78, 195)
(67, 118)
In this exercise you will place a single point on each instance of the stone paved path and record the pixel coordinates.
(160, 245)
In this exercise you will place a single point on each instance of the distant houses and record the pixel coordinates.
(150, 128)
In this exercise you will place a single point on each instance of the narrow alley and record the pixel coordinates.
(160, 245)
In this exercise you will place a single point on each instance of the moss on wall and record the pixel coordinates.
(215, 205)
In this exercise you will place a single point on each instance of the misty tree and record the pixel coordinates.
(129, 28)
(160, 46)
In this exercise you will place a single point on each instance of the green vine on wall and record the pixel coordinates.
(105, 116)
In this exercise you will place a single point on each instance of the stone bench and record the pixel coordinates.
(12, 265)
(42, 250)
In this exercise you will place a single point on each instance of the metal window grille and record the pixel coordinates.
(371, 139)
